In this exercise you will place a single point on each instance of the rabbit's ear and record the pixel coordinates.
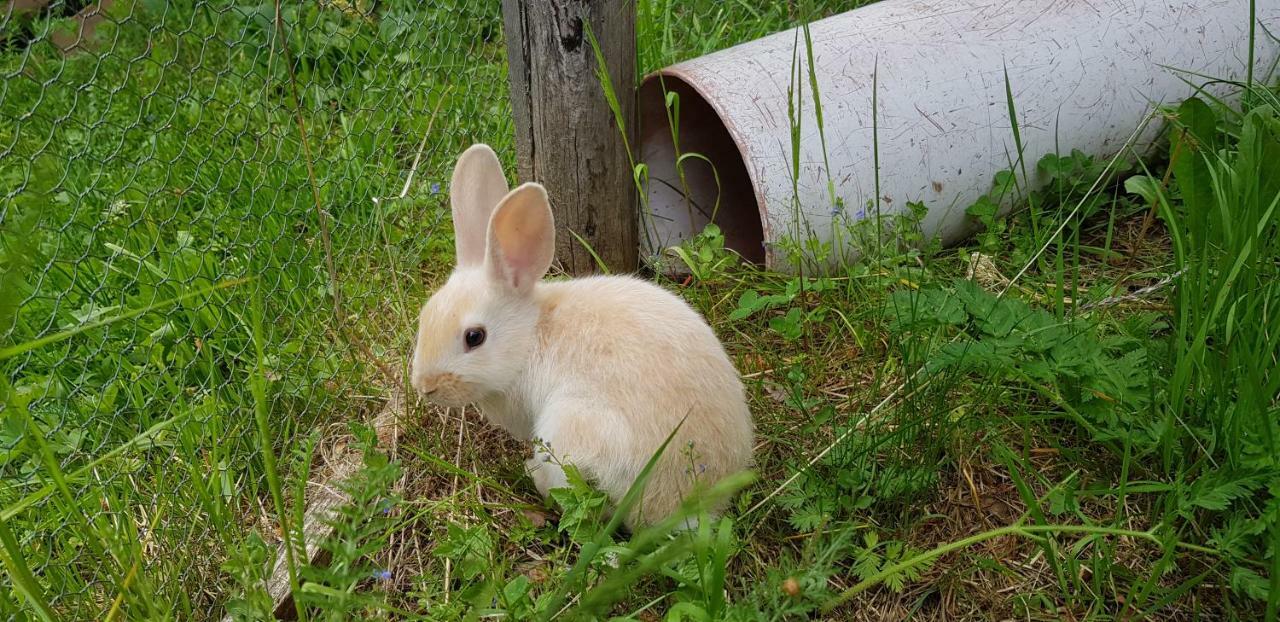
(522, 238)
(474, 192)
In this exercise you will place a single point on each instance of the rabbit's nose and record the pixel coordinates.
(426, 385)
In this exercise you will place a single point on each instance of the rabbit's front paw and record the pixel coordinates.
(546, 474)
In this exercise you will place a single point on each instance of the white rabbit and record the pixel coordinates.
(598, 370)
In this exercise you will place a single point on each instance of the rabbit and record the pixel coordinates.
(597, 371)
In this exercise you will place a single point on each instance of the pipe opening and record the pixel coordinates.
(679, 208)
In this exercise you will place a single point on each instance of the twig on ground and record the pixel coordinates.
(1135, 296)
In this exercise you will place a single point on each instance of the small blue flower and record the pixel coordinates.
(384, 575)
(862, 213)
(435, 187)
(702, 468)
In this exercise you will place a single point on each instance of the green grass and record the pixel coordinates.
(936, 441)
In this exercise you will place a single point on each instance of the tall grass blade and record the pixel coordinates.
(261, 411)
(577, 574)
(611, 96)
(21, 576)
(27, 346)
(85, 471)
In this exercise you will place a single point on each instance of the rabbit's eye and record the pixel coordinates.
(473, 337)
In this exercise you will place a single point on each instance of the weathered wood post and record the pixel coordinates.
(566, 136)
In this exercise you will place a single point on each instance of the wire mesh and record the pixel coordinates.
(150, 151)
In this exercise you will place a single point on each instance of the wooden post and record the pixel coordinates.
(566, 136)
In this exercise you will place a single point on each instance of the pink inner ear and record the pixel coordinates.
(519, 240)
(514, 264)
(522, 236)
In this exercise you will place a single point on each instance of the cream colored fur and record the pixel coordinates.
(597, 370)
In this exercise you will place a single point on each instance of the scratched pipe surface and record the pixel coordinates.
(1084, 75)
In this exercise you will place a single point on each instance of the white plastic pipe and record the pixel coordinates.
(1084, 75)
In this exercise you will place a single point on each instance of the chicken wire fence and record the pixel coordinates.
(198, 196)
